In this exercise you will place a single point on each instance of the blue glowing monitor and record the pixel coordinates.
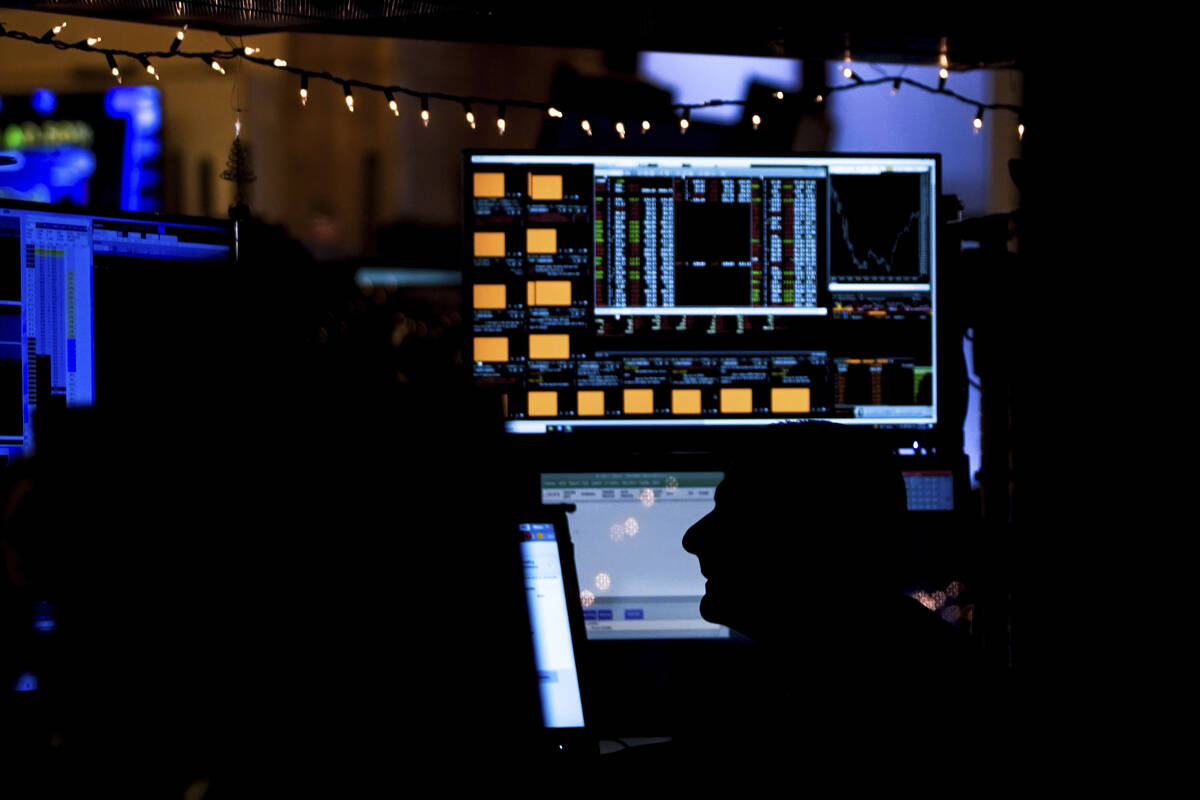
(69, 284)
(98, 149)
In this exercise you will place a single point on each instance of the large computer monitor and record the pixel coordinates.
(642, 291)
(74, 288)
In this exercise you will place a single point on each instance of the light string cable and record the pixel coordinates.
(388, 92)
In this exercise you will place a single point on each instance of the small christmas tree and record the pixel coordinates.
(237, 169)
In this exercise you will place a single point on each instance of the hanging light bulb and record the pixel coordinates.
(621, 129)
(501, 123)
(977, 123)
(1021, 130)
(391, 101)
(469, 115)
(92, 41)
(349, 97)
(55, 31)
(847, 68)
(149, 67)
(685, 121)
(779, 95)
(943, 58)
(645, 126)
(303, 90)
(756, 120)
(425, 111)
(178, 40)
(943, 74)
(587, 127)
(216, 66)
(280, 62)
(251, 50)
(112, 65)
(554, 112)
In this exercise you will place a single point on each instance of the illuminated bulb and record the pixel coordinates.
(149, 67)
(216, 66)
(178, 40)
(179, 35)
(587, 127)
(943, 73)
(501, 125)
(279, 62)
(55, 31)
(425, 111)
(470, 115)
(1020, 130)
(112, 65)
(621, 129)
(554, 112)
(820, 98)
(684, 121)
(303, 90)
(251, 50)
(756, 120)
(977, 123)
(943, 59)
(93, 41)
(779, 95)
(846, 71)
(645, 125)
(391, 101)
(349, 97)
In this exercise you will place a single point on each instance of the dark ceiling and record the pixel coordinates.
(790, 30)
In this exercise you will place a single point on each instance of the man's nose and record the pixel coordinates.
(694, 536)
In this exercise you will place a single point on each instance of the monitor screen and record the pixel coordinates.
(634, 291)
(553, 648)
(635, 579)
(72, 291)
(97, 149)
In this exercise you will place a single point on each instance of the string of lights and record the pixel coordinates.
(216, 58)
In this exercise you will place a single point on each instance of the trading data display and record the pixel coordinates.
(685, 290)
(71, 329)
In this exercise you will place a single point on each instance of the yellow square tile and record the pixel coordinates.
(737, 401)
(589, 403)
(491, 348)
(541, 241)
(543, 404)
(489, 184)
(549, 346)
(489, 244)
(551, 293)
(545, 187)
(791, 400)
(685, 401)
(491, 295)
(639, 401)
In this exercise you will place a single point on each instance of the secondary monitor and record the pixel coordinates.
(644, 291)
(73, 291)
(635, 579)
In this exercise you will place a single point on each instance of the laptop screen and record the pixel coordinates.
(554, 652)
(636, 581)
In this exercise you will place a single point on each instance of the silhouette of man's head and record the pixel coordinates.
(800, 531)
